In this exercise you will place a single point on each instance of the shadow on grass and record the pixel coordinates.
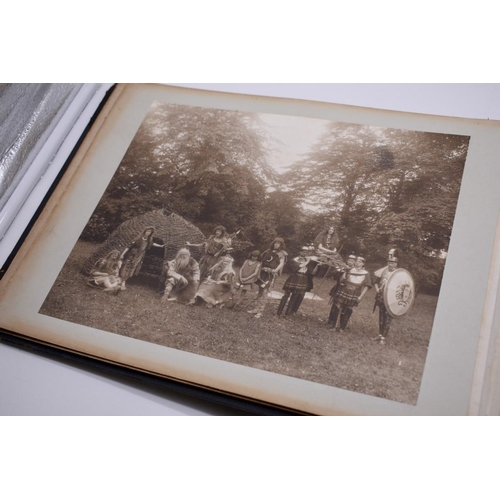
(303, 346)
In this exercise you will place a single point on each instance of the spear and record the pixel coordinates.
(324, 277)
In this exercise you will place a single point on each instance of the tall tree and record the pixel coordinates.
(335, 174)
(386, 187)
(208, 165)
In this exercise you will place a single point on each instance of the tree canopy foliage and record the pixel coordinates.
(380, 187)
(386, 187)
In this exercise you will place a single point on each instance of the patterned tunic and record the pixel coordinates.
(249, 274)
(351, 286)
(297, 282)
(271, 259)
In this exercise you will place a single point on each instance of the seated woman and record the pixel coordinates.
(273, 260)
(248, 276)
(217, 289)
(327, 242)
(105, 272)
(326, 246)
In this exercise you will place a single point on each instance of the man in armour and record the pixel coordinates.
(353, 286)
(381, 278)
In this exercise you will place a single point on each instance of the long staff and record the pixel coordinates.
(326, 274)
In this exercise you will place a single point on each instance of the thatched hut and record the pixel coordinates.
(171, 230)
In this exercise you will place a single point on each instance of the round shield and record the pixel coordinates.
(399, 293)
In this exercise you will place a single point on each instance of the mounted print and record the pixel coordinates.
(318, 258)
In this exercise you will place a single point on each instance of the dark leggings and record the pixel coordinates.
(384, 320)
(293, 305)
(344, 313)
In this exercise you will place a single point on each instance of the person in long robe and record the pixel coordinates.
(133, 255)
(216, 246)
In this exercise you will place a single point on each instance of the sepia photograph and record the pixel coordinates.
(309, 248)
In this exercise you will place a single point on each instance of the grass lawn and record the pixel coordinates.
(302, 347)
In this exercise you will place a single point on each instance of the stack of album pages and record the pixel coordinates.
(40, 125)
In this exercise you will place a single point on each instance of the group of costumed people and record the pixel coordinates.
(182, 275)
(352, 286)
(214, 282)
(112, 271)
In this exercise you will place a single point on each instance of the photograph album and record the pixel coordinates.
(317, 258)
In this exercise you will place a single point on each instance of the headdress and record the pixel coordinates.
(222, 229)
(394, 253)
(281, 241)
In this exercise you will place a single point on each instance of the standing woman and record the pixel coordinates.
(273, 260)
(216, 246)
(353, 286)
(133, 255)
(105, 272)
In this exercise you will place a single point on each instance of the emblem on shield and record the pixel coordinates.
(399, 293)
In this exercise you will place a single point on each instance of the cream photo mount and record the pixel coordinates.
(451, 373)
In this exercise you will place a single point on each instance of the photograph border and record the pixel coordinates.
(447, 376)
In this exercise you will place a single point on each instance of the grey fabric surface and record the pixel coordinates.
(29, 112)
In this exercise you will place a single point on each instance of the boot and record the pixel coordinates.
(166, 292)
